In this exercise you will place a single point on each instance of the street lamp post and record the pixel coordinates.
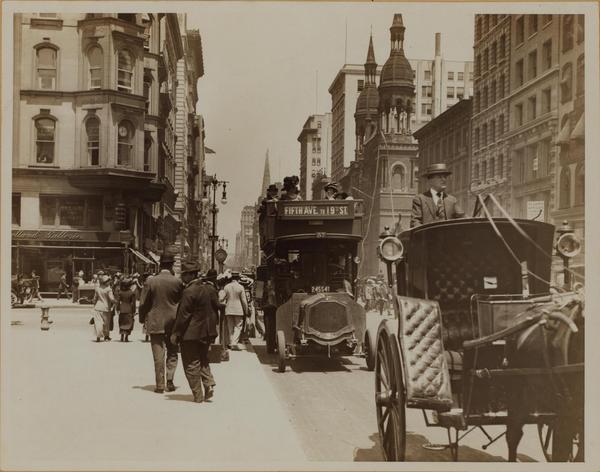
(215, 183)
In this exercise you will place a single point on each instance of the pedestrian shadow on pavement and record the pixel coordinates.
(148, 388)
(415, 452)
(180, 397)
(308, 364)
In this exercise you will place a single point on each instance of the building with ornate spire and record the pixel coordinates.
(386, 160)
(315, 151)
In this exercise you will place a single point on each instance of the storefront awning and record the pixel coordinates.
(141, 257)
(154, 257)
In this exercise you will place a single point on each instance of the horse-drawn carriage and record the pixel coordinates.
(480, 337)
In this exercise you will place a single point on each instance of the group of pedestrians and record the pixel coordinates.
(114, 296)
(181, 314)
(375, 294)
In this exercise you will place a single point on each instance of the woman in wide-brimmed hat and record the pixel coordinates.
(126, 308)
(103, 302)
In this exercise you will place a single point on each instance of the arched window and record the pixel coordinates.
(476, 175)
(501, 165)
(46, 68)
(568, 32)
(124, 71)
(484, 175)
(398, 177)
(125, 144)
(579, 185)
(501, 87)
(148, 151)
(92, 130)
(500, 126)
(45, 129)
(147, 90)
(492, 168)
(95, 60)
(565, 188)
(484, 98)
(566, 83)
(493, 92)
(580, 76)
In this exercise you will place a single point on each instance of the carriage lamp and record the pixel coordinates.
(390, 249)
(568, 245)
(224, 197)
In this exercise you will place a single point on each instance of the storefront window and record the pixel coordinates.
(71, 211)
(48, 210)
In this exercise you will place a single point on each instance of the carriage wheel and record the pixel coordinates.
(389, 398)
(281, 350)
(13, 298)
(552, 441)
(370, 351)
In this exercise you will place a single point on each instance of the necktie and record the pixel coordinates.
(440, 213)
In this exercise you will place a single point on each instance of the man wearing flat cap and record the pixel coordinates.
(435, 204)
(158, 307)
(196, 328)
(331, 190)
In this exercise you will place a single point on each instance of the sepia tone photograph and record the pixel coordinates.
(298, 235)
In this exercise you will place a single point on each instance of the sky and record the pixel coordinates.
(268, 66)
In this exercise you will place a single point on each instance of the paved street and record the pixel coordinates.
(331, 405)
(72, 403)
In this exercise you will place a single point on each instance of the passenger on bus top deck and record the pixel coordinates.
(272, 193)
(331, 190)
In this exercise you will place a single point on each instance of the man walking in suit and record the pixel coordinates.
(196, 328)
(158, 308)
(435, 204)
(236, 307)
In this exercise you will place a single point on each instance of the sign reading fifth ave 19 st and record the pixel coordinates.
(313, 210)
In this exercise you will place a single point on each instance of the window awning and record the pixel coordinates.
(579, 130)
(564, 135)
(141, 257)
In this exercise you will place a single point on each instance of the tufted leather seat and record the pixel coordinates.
(428, 380)
(453, 279)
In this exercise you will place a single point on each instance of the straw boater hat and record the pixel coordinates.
(437, 169)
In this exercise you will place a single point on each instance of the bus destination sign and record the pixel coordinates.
(316, 210)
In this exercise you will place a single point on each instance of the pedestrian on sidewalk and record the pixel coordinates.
(126, 309)
(63, 286)
(103, 302)
(77, 281)
(236, 307)
(158, 309)
(196, 329)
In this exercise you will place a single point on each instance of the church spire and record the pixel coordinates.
(371, 64)
(266, 176)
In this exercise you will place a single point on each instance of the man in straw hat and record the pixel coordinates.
(196, 328)
(158, 308)
(435, 204)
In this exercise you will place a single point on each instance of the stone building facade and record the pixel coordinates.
(490, 165)
(93, 142)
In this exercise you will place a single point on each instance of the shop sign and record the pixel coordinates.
(50, 235)
(310, 210)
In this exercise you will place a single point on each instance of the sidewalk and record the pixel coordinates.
(52, 303)
(71, 403)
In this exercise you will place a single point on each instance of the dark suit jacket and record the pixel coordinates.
(424, 210)
(158, 305)
(197, 315)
